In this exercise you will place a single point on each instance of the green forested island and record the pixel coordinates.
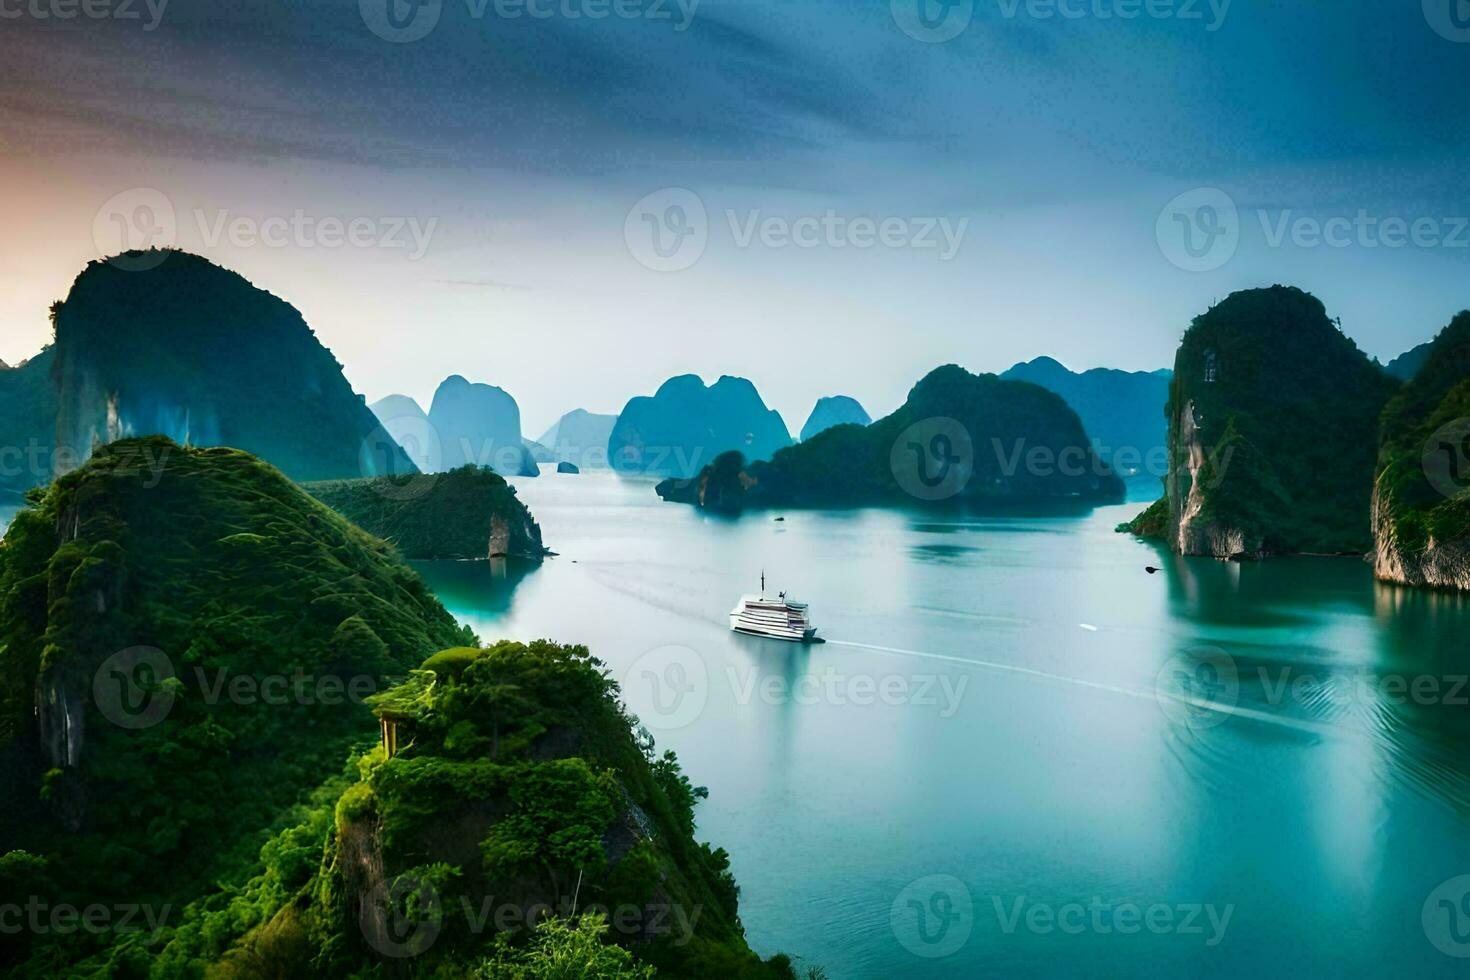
(190, 642)
(469, 512)
(134, 592)
(1421, 498)
(959, 438)
(1273, 423)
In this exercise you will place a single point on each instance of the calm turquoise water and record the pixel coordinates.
(1068, 766)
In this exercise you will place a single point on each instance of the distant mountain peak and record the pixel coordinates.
(832, 410)
(480, 424)
(685, 424)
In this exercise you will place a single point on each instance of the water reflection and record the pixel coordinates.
(486, 586)
(1420, 698)
(1322, 801)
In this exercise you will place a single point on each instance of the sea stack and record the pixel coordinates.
(1273, 424)
(479, 424)
(686, 424)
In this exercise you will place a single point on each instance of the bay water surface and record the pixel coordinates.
(1019, 753)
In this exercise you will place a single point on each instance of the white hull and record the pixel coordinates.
(775, 619)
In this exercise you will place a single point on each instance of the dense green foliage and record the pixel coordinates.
(520, 776)
(1437, 396)
(27, 426)
(524, 817)
(1286, 412)
(1024, 444)
(470, 512)
(565, 949)
(685, 425)
(274, 616)
(524, 830)
(1153, 522)
(168, 343)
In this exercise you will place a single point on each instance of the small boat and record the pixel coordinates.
(777, 619)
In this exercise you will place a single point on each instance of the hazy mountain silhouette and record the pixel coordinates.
(685, 425)
(834, 410)
(959, 439)
(580, 437)
(479, 424)
(1407, 364)
(1123, 412)
(168, 343)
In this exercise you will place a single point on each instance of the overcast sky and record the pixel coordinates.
(845, 194)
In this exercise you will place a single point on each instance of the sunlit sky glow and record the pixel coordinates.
(522, 144)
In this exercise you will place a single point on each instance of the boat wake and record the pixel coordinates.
(1154, 696)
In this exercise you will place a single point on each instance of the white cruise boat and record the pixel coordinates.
(777, 619)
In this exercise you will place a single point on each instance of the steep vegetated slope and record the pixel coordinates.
(186, 638)
(1421, 499)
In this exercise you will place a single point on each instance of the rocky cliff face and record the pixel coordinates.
(1273, 419)
(1435, 564)
(1192, 528)
(834, 410)
(1421, 498)
(479, 424)
(191, 351)
(685, 425)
